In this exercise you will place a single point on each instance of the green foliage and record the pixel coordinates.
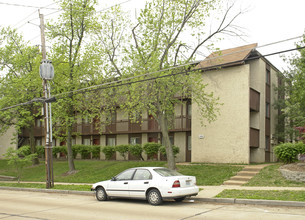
(136, 150)
(176, 150)
(59, 149)
(109, 151)
(123, 150)
(40, 151)
(287, 152)
(151, 149)
(25, 150)
(95, 150)
(19, 159)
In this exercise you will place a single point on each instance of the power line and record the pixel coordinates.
(112, 83)
(26, 6)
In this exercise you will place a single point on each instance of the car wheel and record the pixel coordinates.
(154, 197)
(180, 199)
(101, 194)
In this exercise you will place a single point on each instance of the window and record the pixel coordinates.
(135, 140)
(142, 175)
(267, 110)
(267, 143)
(86, 141)
(189, 109)
(38, 142)
(268, 76)
(189, 142)
(126, 175)
(110, 140)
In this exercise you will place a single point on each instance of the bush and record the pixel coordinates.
(176, 150)
(123, 150)
(96, 150)
(25, 150)
(151, 149)
(136, 150)
(40, 151)
(59, 149)
(287, 152)
(84, 151)
(108, 151)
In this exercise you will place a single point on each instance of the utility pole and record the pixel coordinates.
(45, 68)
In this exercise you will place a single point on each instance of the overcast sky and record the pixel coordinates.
(267, 21)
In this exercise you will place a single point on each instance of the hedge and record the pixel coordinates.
(288, 152)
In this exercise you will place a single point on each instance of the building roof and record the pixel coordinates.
(229, 57)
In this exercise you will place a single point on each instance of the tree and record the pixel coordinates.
(294, 105)
(19, 159)
(159, 42)
(72, 67)
(19, 83)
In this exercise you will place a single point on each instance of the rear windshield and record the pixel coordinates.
(166, 172)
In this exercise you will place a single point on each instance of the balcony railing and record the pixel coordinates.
(180, 123)
(254, 137)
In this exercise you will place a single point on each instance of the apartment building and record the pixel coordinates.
(245, 83)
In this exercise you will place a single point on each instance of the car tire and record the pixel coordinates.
(101, 194)
(154, 197)
(180, 199)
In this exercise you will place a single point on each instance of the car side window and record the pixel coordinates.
(126, 175)
(142, 174)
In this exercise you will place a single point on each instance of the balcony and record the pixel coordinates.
(254, 137)
(254, 100)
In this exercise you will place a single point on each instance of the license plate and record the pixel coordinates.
(188, 183)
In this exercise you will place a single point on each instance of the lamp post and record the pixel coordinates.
(46, 72)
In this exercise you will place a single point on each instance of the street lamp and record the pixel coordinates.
(46, 72)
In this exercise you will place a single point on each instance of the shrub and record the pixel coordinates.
(136, 150)
(151, 149)
(287, 152)
(84, 151)
(59, 149)
(25, 150)
(40, 151)
(176, 150)
(96, 150)
(123, 150)
(108, 151)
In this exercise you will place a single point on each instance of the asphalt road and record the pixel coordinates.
(21, 205)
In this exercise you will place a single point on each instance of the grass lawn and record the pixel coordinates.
(91, 171)
(271, 176)
(43, 186)
(285, 195)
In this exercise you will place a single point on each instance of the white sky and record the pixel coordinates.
(267, 21)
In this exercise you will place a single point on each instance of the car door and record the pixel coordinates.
(118, 186)
(140, 183)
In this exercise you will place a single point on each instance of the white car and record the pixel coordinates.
(151, 183)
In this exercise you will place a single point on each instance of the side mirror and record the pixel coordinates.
(113, 179)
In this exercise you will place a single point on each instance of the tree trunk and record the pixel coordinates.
(35, 161)
(168, 146)
(69, 149)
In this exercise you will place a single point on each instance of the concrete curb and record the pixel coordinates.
(71, 192)
(252, 202)
(208, 200)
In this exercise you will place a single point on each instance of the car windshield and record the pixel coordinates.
(166, 172)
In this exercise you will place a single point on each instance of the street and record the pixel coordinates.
(41, 206)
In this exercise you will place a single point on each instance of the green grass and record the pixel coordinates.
(271, 176)
(285, 195)
(43, 186)
(91, 171)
